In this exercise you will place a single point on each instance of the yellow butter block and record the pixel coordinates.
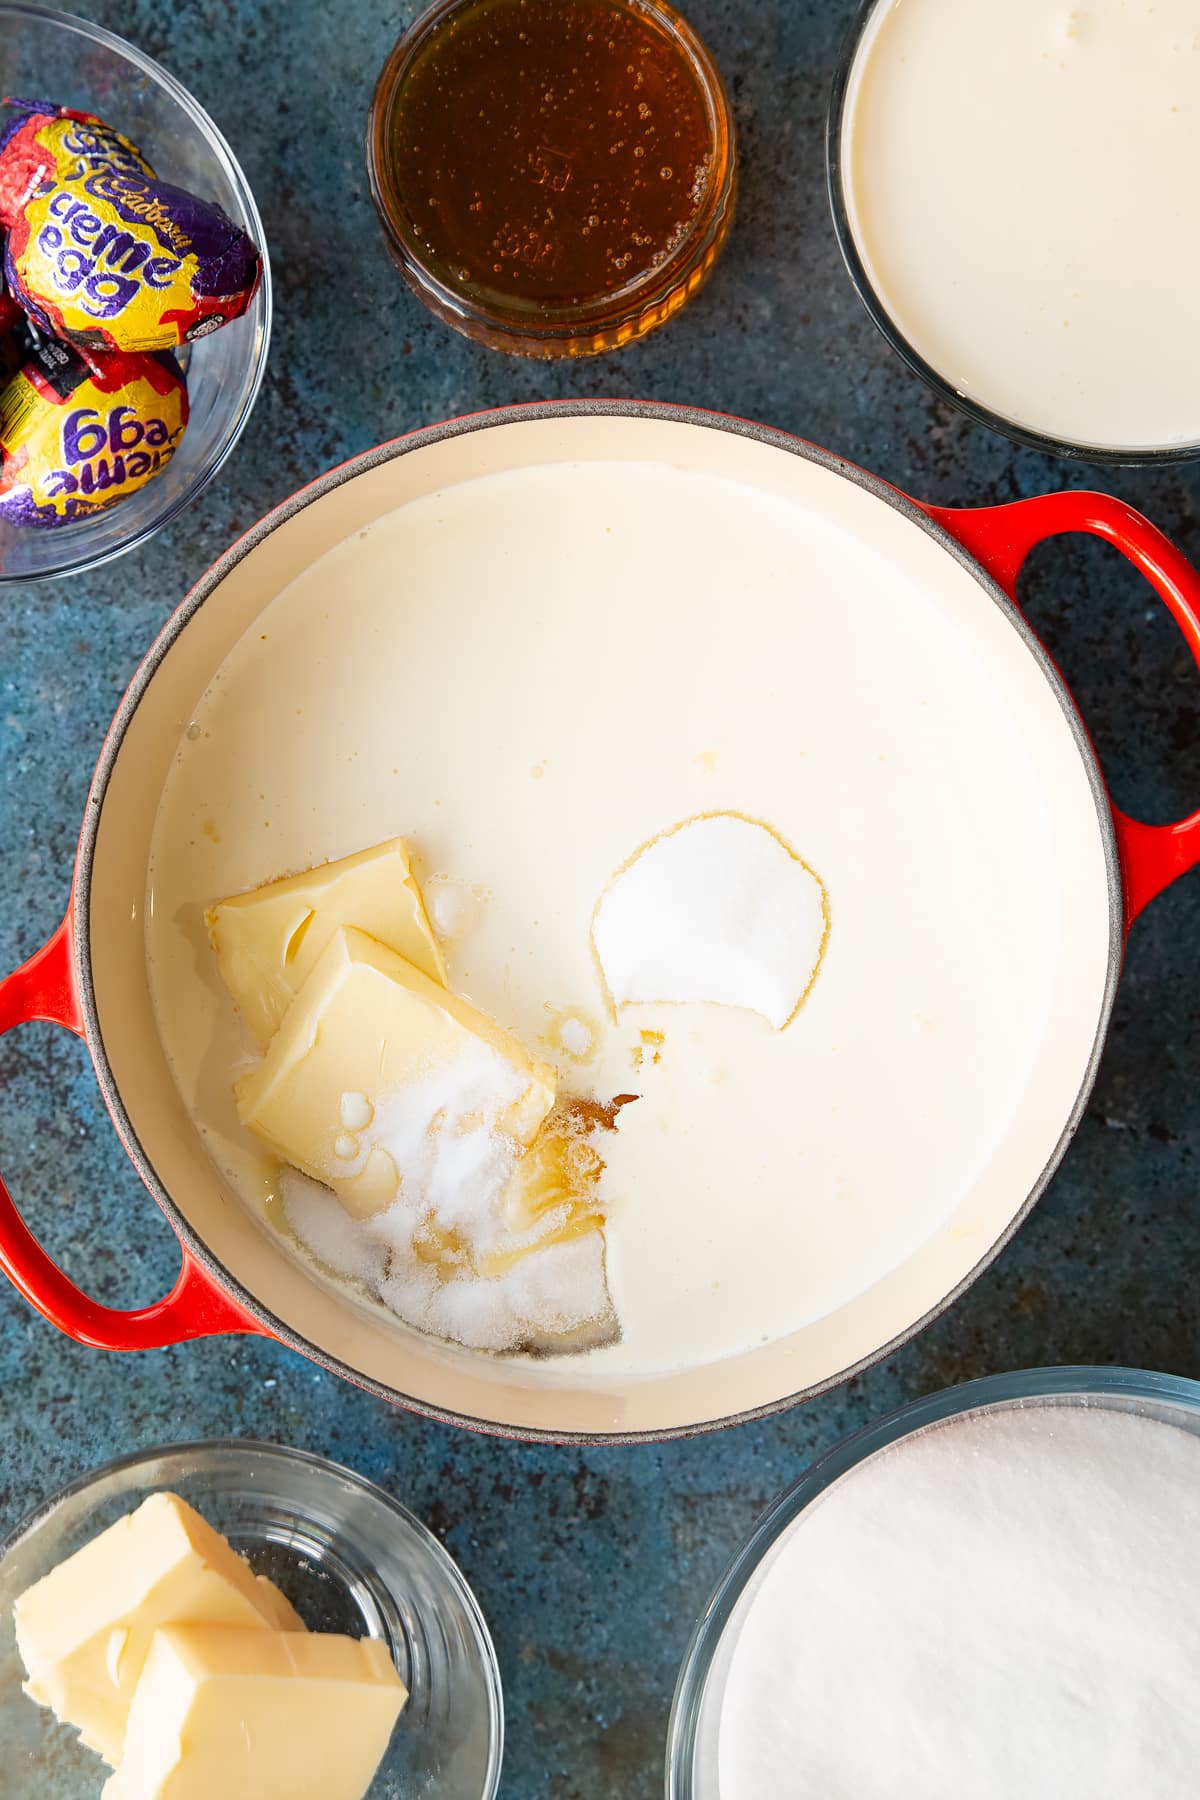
(371, 1062)
(222, 1714)
(269, 941)
(84, 1630)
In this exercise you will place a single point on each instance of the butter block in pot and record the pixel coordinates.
(267, 942)
(371, 1058)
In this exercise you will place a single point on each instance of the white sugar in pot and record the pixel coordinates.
(869, 574)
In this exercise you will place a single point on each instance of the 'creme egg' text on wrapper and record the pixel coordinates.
(80, 429)
(101, 252)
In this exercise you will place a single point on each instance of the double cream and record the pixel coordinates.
(1021, 182)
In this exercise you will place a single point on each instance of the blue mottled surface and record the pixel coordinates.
(591, 1565)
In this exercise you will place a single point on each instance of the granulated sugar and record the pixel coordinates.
(334, 1238)
(422, 1254)
(717, 909)
(546, 1296)
(444, 1135)
(1005, 1607)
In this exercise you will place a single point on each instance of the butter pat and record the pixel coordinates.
(377, 1077)
(273, 1715)
(84, 1630)
(268, 942)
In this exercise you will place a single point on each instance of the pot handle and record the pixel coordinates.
(45, 988)
(1001, 537)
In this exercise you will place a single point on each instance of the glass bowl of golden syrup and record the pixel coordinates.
(553, 177)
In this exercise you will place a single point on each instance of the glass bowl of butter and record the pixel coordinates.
(234, 1591)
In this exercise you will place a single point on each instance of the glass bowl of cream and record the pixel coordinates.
(989, 1592)
(1013, 190)
(348, 1557)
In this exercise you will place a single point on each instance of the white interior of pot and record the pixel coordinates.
(561, 1396)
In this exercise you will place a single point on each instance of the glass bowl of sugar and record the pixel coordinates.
(348, 1557)
(989, 1593)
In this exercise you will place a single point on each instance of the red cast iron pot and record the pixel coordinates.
(85, 978)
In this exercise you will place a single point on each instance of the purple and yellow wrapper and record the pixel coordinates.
(81, 429)
(102, 253)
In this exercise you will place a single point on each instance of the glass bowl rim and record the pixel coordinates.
(216, 142)
(1074, 1380)
(1102, 455)
(289, 1454)
(563, 323)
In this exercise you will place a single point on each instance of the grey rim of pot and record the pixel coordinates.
(404, 446)
(1124, 1389)
(835, 183)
